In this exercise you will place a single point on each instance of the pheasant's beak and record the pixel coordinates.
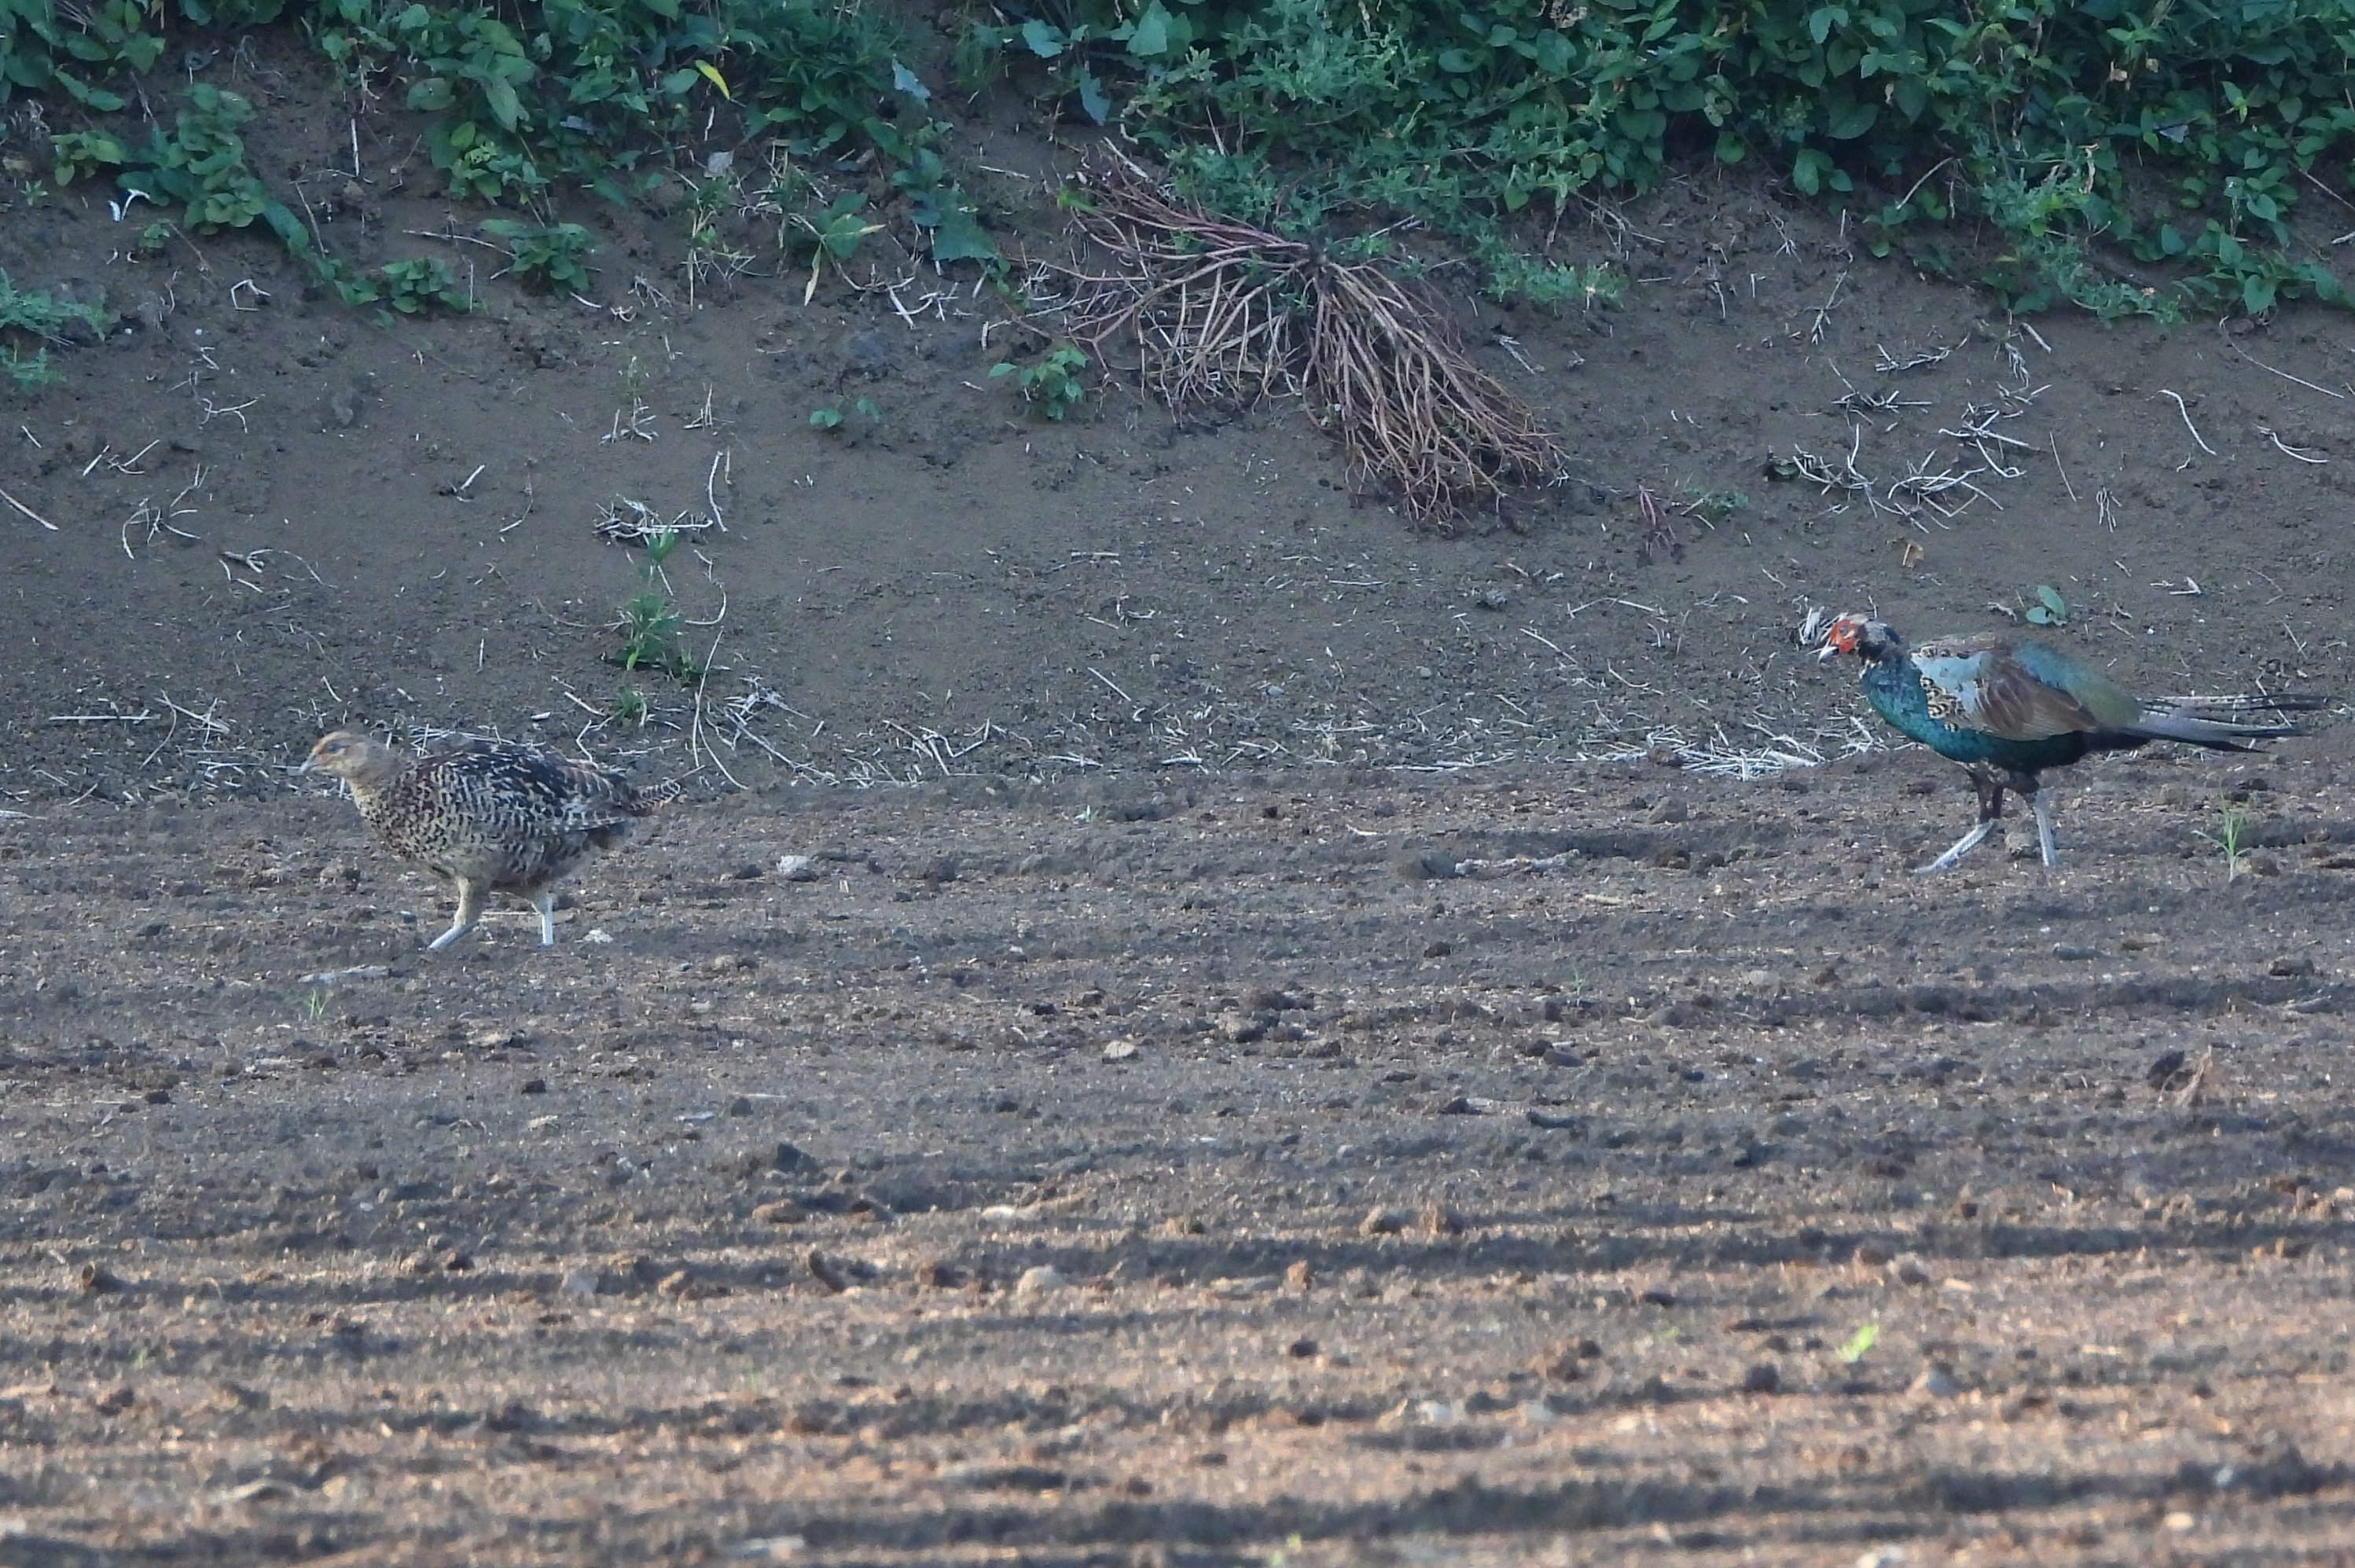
(1828, 650)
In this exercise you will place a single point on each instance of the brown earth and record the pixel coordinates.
(1685, 1179)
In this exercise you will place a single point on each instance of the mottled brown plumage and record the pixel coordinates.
(488, 816)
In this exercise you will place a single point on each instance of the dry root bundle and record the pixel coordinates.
(1223, 314)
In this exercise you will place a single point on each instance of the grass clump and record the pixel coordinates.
(2230, 838)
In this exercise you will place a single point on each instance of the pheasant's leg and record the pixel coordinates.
(1991, 818)
(470, 911)
(544, 901)
(2044, 839)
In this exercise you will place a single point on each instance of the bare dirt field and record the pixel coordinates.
(1334, 1168)
(1309, 1040)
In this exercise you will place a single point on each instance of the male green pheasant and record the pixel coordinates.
(2007, 709)
(488, 816)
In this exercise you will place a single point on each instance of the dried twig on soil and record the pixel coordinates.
(2185, 410)
(1223, 314)
(28, 511)
(624, 521)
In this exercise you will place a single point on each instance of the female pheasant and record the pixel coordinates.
(2007, 709)
(489, 817)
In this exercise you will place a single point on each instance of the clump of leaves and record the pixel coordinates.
(651, 628)
(1051, 386)
(421, 286)
(550, 256)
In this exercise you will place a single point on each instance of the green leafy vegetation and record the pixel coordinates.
(2127, 161)
(1052, 386)
(2046, 607)
(521, 102)
(2091, 140)
(421, 286)
(550, 256)
(30, 324)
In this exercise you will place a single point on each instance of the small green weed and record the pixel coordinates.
(1052, 386)
(1859, 1344)
(710, 251)
(2046, 607)
(1712, 506)
(550, 256)
(44, 319)
(833, 235)
(651, 628)
(832, 415)
(630, 706)
(2232, 833)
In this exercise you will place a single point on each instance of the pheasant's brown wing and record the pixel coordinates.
(2017, 691)
(535, 794)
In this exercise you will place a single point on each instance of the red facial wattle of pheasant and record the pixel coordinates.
(2007, 709)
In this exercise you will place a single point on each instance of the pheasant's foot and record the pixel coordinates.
(545, 902)
(470, 913)
(2045, 843)
(1963, 846)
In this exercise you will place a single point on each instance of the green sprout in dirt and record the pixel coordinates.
(831, 416)
(630, 706)
(650, 627)
(2047, 607)
(1052, 386)
(710, 253)
(2231, 835)
(1712, 506)
(1859, 1344)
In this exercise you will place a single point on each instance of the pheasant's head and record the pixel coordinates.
(1858, 634)
(355, 758)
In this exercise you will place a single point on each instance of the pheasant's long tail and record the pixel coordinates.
(2243, 702)
(2217, 734)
